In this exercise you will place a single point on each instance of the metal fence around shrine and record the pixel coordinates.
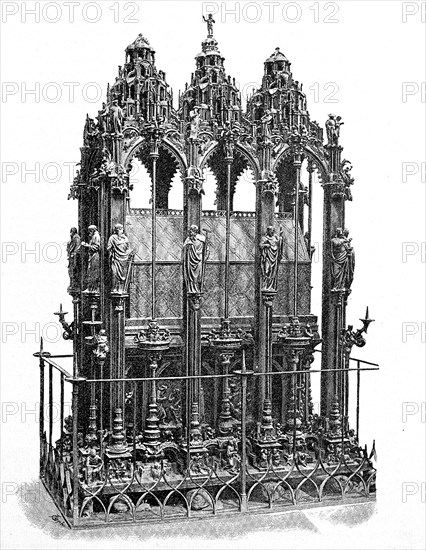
(133, 494)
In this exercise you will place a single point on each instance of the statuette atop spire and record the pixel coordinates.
(210, 22)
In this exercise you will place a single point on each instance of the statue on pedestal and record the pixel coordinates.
(194, 115)
(93, 265)
(210, 22)
(333, 129)
(73, 252)
(271, 253)
(116, 117)
(266, 121)
(194, 256)
(119, 250)
(342, 260)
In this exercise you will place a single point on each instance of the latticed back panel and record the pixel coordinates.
(169, 279)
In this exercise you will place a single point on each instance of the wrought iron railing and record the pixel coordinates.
(217, 475)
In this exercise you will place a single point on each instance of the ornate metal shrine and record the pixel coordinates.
(193, 338)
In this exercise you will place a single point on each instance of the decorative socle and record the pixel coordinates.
(294, 337)
(153, 338)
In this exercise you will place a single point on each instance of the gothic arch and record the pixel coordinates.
(319, 163)
(165, 143)
(252, 161)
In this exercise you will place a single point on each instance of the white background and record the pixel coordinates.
(369, 53)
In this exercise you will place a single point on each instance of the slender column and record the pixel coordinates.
(75, 451)
(228, 161)
(191, 303)
(50, 404)
(61, 418)
(154, 156)
(243, 472)
(152, 430)
(154, 341)
(225, 418)
(310, 172)
(334, 217)
(76, 329)
(297, 162)
(194, 346)
(265, 209)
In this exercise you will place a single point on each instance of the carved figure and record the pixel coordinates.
(231, 457)
(102, 347)
(271, 253)
(118, 250)
(92, 275)
(342, 261)
(210, 22)
(103, 119)
(333, 129)
(266, 121)
(116, 117)
(351, 259)
(194, 256)
(93, 467)
(347, 178)
(194, 116)
(73, 252)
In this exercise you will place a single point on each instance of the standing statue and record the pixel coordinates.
(271, 253)
(348, 180)
(227, 136)
(194, 257)
(351, 258)
(103, 119)
(194, 116)
(73, 252)
(266, 121)
(116, 117)
(333, 129)
(119, 250)
(210, 22)
(93, 266)
(342, 261)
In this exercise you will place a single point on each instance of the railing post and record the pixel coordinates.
(358, 387)
(75, 451)
(40, 354)
(243, 466)
(61, 419)
(50, 404)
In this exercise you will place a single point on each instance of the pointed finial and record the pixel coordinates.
(366, 321)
